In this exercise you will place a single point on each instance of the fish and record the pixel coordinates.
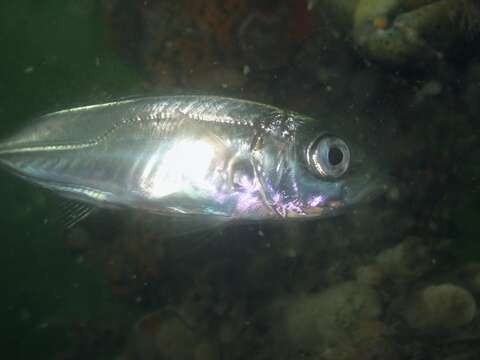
(211, 156)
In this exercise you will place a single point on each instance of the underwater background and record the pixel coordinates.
(398, 278)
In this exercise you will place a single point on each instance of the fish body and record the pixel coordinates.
(197, 155)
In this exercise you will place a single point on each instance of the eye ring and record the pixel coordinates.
(328, 156)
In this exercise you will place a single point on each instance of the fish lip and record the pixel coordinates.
(371, 190)
(332, 209)
(373, 186)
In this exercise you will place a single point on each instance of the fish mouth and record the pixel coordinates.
(367, 188)
(357, 190)
(332, 209)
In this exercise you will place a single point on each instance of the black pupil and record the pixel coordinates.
(335, 156)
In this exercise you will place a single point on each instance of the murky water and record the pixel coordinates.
(397, 278)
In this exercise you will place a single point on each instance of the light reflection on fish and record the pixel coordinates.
(199, 155)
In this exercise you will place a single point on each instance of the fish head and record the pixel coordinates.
(317, 174)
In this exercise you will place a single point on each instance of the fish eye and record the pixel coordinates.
(328, 156)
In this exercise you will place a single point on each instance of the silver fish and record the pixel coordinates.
(202, 155)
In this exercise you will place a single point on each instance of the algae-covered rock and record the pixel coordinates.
(471, 275)
(329, 317)
(403, 263)
(441, 307)
(166, 335)
(371, 275)
(401, 32)
(409, 259)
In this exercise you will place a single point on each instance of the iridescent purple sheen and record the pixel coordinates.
(315, 201)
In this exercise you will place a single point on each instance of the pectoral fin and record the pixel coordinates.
(72, 212)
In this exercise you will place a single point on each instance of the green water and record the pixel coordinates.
(55, 54)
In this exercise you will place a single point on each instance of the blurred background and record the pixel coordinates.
(398, 278)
